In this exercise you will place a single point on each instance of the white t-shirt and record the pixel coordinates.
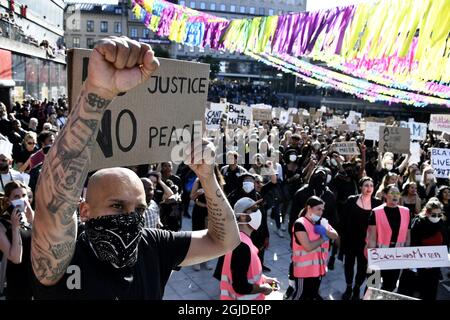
(11, 175)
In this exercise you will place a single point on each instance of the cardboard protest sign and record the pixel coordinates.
(347, 148)
(440, 122)
(144, 124)
(334, 122)
(418, 129)
(213, 115)
(284, 117)
(276, 112)
(373, 130)
(239, 115)
(440, 161)
(261, 114)
(408, 258)
(394, 139)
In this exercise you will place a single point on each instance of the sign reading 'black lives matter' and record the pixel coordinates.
(146, 123)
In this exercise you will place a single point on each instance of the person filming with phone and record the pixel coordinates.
(15, 241)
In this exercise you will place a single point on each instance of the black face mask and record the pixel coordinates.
(115, 238)
(4, 166)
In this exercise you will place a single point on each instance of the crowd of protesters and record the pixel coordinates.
(331, 205)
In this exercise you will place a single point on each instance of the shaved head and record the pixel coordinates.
(114, 190)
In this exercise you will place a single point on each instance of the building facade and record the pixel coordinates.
(32, 55)
(235, 65)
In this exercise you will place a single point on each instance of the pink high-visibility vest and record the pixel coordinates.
(309, 264)
(254, 274)
(384, 231)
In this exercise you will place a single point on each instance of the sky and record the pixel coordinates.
(312, 5)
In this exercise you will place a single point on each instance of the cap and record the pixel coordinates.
(244, 204)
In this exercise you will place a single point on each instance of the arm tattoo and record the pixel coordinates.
(59, 188)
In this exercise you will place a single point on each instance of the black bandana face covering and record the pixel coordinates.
(115, 238)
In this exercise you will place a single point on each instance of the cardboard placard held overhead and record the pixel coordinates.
(394, 139)
(143, 125)
(262, 114)
(373, 130)
(440, 161)
(213, 115)
(239, 115)
(418, 129)
(440, 122)
(347, 148)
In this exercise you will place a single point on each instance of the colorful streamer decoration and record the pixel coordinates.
(397, 51)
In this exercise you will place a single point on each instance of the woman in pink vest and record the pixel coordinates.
(389, 227)
(242, 277)
(310, 245)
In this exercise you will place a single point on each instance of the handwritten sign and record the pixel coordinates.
(347, 148)
(408, 257)
(440, 161)
(262, 114)
(440, 122)
(334, 122)
(394, 139)
(239, 115)
(415, 152)
(213, 116)
(373, 130)
(418, 129)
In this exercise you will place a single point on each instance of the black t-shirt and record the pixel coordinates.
(240, 262)
(426, 233)
(23, 154)
(159, 252)
(394, 218)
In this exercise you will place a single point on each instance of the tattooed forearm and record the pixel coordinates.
(60, 185)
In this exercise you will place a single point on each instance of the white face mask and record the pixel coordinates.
(333, 162)
(430, 177)
(418, 177)
(292, 157)
(248, 186)
(255, 219)
(389, 166)
(20, 203)
(434, 219)
(328, 178)
(315, 218)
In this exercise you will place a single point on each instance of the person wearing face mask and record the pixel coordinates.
(389, 227)
(117, 258)
(427, 187)
(15, 241)
(242, 276)
(315, 187)
(353, 231)
(310, 244)
(427, 229)
(444, 197)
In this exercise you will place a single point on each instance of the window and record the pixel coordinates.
(232, 8)
(145, 33)
(262, 11)
(222, 7)
(252, 10)
(212, 6)
(118, 10)
(104, 26)
(193, 4)
(180, 47)
(191, 49)
(242, 9)
(76, 42)
(90, 26)
(182, 3)
(133, 32)
(271, 12)
(90, 43)
(202, 5)
(201, 50)
(117, 27)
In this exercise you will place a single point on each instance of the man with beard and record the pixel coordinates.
(316, 187)
(115, 258)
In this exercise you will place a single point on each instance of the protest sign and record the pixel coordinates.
(418, 129)
(440, 161)
(284, 117)
(144, 124)
(239, 115)
(373, 130)
(334, 122)
(261, 114)
(440, 122)
(213, 115)
(276, 112)
(415, 152)
(394, 139)
(347, 148)
(408, 257)
(343, 128)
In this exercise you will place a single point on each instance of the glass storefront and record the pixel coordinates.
(38, 78)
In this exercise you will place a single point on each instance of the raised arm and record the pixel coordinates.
(222, 234)
(116, 65)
